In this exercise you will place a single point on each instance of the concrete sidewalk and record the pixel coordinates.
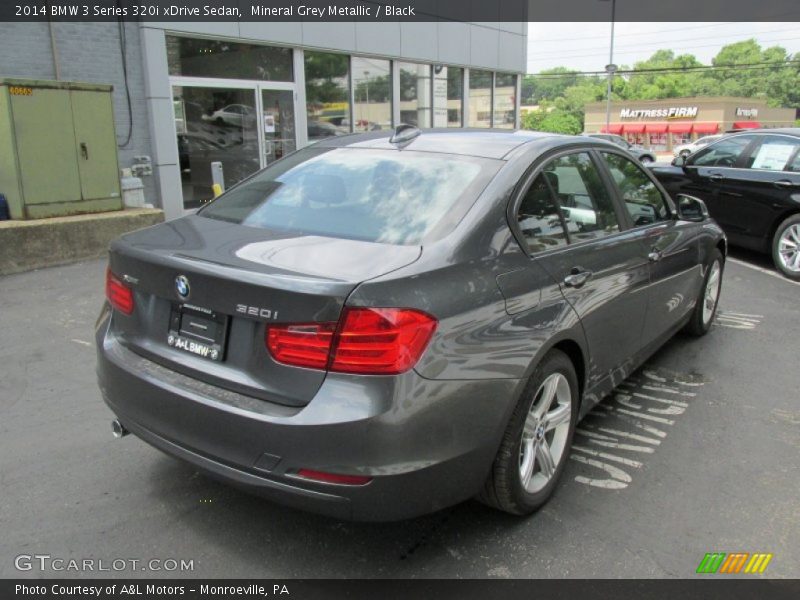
(28, 245)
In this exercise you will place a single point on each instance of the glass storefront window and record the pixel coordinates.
(214, 125)
(415, 94)
(480, 98)
(505, 93)
(372, 91)
(215, 58)
(327, 94)
(635, 138)
(279, 135)
(448, 96)
(658, 142)
(681, 138)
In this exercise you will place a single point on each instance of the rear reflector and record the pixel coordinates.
(369, 341)
(334, 477)
(119, 295)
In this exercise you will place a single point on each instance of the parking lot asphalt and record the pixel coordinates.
(697, 452)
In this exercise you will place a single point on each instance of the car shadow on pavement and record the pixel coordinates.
(256, 535)
(263, 534)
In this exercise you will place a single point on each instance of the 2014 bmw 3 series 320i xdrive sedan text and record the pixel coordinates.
(382, 325)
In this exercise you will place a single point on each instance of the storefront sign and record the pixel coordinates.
(673, 112)
(750, 113)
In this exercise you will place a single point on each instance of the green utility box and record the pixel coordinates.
(58, 148)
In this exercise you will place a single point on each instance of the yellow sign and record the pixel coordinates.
(17, 90)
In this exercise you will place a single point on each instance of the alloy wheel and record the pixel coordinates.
(545, 433)
(789, 248)
(711, 294)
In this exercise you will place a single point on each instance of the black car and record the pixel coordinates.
(379, 326)
(645, 156)
(750, 182)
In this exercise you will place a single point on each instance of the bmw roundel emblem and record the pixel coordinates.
(182, 286)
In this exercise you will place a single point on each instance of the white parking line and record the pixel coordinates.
(774, 274)
(633, 408)
(737, 320)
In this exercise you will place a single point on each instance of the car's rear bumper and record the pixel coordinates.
(427, 444)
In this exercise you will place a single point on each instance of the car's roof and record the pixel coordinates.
(794, 131)
(486, 143)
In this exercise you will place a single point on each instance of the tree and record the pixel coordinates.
(552, 119)
(536, 89)
(565, 92)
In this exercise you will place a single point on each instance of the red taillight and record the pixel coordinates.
(119, 295)
(301, 345)
(369, 341)
(381, 340)
(334, 477)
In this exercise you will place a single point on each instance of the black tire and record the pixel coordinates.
(503, 488)
(647, 159)
(792, 221)
(699, 324)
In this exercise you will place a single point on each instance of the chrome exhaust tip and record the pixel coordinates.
(118, 430)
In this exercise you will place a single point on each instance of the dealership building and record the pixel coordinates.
(189, 94)
(660, 125)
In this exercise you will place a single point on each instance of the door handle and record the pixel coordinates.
(84, 151)
(577, 277)
(654, 255)
(716, 176)
(783, 183)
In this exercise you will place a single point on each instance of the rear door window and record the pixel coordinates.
(723, 153)
(773, 153)
(543, 226)
(585, 202)
(643, 200)
(368, 194)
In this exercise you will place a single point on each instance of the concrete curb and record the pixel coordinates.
(28, 245)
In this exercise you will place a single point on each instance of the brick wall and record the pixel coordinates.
(86, 52)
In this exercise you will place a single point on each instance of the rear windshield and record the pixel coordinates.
(388, 196)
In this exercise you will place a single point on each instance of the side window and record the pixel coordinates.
(794, 166)
(586, 205)
(539, 218)
(643, 200)
(723, 153)
(773, 153)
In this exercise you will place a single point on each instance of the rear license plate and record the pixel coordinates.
(199, 331)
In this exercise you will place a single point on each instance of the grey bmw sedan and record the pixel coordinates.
(383, 325)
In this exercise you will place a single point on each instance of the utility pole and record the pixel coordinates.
(610, 67)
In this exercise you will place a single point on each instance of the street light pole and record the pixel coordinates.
(610, 67)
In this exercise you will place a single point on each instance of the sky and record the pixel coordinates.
(585, 46)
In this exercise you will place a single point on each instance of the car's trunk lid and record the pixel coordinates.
(240, 279)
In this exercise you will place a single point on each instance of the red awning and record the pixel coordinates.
(680, 127)
(612, 128)
(746, 125)
(633, 128)
(706, 127)
(656, 128)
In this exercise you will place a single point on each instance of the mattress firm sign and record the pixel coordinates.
(672, 112)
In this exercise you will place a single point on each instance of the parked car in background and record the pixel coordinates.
(750, 182)
(382, 325)
(644, 155)
(686, 149)
(234, 115)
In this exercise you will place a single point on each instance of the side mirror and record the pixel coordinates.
(691, 209)
(679, 161)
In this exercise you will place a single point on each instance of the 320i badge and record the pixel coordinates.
(382, 325)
